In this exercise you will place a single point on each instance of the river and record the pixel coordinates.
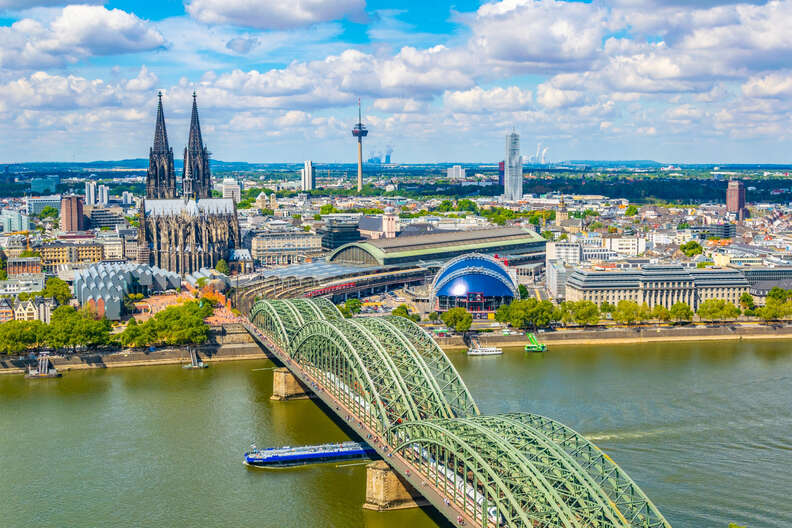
(704, 428)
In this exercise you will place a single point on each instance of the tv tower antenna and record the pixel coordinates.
(360, 132)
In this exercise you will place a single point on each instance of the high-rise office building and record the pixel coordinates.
(90, 193)
(231, 189)
(512, 176)
(102, 195)
(14, 221)
(456, 172)
(71, 214)
(735, 199)
(127, 198)
(308, 175)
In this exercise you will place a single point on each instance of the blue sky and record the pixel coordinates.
(671, 80)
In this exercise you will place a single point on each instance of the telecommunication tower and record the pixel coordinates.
(360, 132)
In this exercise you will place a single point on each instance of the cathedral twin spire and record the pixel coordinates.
(161, 176)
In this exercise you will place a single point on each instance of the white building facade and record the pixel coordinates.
(512, 175)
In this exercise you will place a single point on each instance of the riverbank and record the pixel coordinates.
(228, 343)
(632, 336)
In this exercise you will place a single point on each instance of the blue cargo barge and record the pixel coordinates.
(297, 456)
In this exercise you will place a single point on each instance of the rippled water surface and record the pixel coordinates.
(704, 428)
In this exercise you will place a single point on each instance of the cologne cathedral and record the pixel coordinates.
(182, 228)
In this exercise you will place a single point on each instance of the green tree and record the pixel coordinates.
(661, 313)
(327, 209)
(681, 312)
(596, 225)
(626, 312)
(3, 272)
(222, 267)
(58, 289)
(631, 211)
(777, 294)
(434, 316)
(547, 235)
(747, 301)
(353, 305)
(17, 336)
(585, 313)
(458, 318)
(717, 310)
(607, 307)
(691, 249)
(644, 313)
(404, 311)
(48, 212)
(524, 293)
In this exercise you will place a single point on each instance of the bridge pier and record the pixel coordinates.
(285, 386)
(386, 490)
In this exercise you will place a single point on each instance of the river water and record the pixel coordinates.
(704, 428)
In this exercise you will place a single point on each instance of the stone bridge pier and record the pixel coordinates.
(286, 386)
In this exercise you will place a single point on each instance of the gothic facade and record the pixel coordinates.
(184, 232)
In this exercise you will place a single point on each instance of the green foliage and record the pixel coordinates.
(683, 225)
(585, 313)
(631, 211)
(403, 311)
(607, 307)
(627, 312)
(701, 265)
(434, 316)
(596, 225)
(458, 318)
(175, 325)
(18, 336)
(524, 293)
(327, 209)
(747, 301)
(778, 294)
(70, 328)
(717, 310)
(29, 253)
(58, 289)
(661, 313)
(681, 312)
(547, 235)
(692, 248)
(222, 267)
(48, 212)
(353, 305)
(528, 313)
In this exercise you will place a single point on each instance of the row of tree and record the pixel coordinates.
(71, 329)
(68, 329)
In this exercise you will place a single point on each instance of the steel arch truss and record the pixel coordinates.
(281, 319)
(503, 470)
(454, 390)
(634, 507)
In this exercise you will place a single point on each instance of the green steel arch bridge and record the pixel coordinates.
(392, 384)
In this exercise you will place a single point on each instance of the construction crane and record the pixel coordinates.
(27, 237)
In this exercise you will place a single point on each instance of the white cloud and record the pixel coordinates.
(776, 84)
(549, 96)
(77, 32)
(274, 14)
(478, 100)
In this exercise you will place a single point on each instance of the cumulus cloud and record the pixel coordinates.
(274, 14)
(477, 100)
(77, 32)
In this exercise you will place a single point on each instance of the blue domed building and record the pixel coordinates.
(478, 283)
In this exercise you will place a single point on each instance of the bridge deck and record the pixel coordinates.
(406, 469)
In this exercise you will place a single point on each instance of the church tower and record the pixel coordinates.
(161, 176)
(196, 179)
